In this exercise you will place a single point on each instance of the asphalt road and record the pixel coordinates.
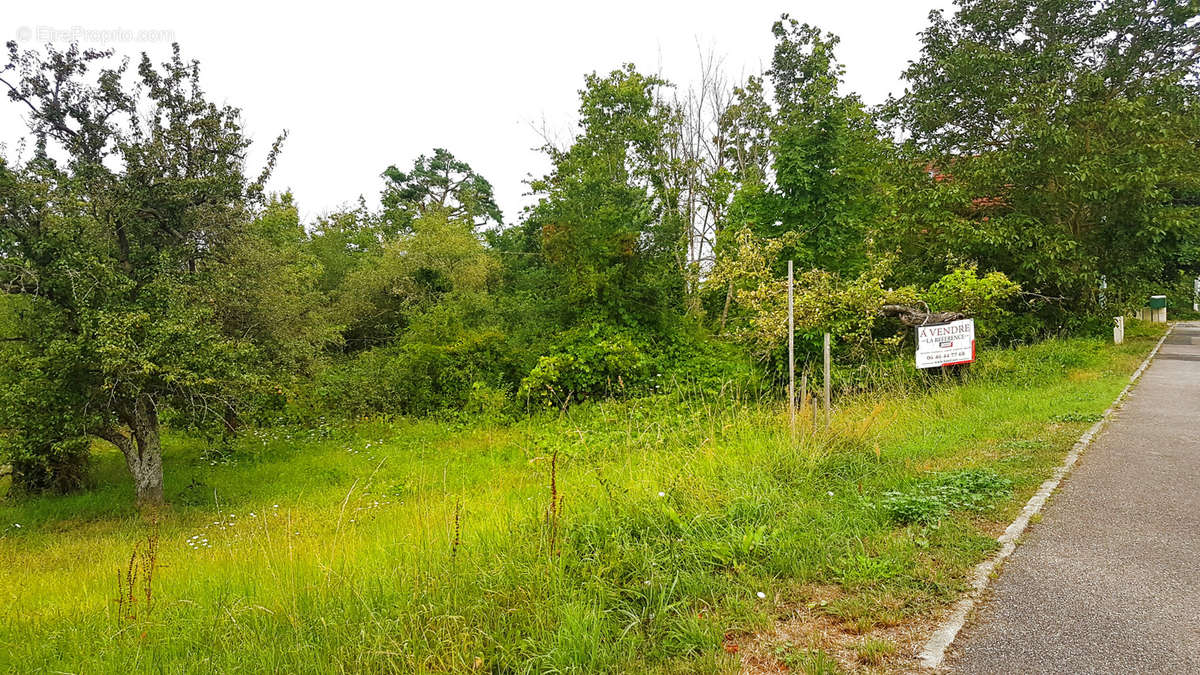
(1109, 580)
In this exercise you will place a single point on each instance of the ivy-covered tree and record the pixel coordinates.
(117, 234)
(608, 226)
(807, 163)
(826, 155)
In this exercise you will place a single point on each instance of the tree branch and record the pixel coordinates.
(911, 316)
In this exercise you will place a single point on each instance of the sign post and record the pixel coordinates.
(946, 344)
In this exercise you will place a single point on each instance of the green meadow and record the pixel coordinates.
(668, 533)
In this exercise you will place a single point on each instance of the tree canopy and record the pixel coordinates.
(1040, 173)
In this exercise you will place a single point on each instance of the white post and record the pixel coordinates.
(791, 355)
(1118, 330)
(804, 390)
(827, 383)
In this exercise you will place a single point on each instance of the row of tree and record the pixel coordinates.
(1042, 168)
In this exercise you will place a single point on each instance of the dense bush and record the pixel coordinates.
(415, 379)
(587, 364)
(59, 466)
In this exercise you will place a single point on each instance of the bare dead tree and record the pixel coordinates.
(702, 152)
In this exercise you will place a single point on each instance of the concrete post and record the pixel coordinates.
(1118, 329)
(1158, 308)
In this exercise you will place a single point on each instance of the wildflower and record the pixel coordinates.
(761, 595)
(830, 493)
(662, 494)
(17, 525)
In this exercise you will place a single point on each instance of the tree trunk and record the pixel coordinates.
(142, 450)
(725, 309)
(147, 470)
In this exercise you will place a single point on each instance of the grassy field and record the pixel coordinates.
(672, 534)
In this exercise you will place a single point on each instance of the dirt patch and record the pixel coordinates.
(806, 635)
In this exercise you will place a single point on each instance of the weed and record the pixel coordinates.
(135, 582)
(810, 661)
(873, 651)
(931, 500)
(456, 540)
(922, 509)
(554, 508)
(859, 569)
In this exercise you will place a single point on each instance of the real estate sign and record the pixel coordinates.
(946, 344)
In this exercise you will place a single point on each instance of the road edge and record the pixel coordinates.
(934, 651)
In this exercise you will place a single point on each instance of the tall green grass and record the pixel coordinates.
(680, 523)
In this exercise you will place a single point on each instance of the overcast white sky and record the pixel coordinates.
(364, 85)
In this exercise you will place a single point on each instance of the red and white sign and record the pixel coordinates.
(946, 344)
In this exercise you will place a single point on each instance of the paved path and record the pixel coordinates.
(1109, 580)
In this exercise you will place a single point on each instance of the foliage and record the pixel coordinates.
(826, 155)
(990, 299)
(438, 183)
(557, 446)
(429, 283)
(588, 364)
(120, 250)
(928, 501)
(266, 282)
(823, 302)
(1046, 180)
(606, 226)
(343, 241)
(414, 378)
(675, 514)
(1057, 144)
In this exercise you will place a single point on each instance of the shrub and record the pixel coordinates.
(415, 378)
(60, 466)
(599, 362)
(697, 364)
(989, 299)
